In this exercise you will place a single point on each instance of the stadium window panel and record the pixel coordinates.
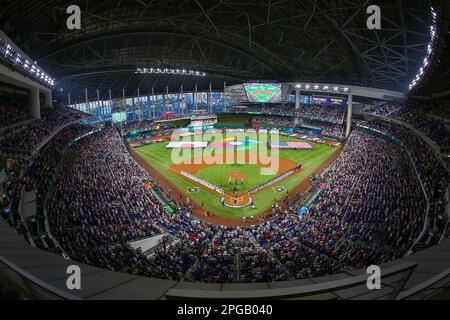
(94, 108)
(304, 100)
(217, 101)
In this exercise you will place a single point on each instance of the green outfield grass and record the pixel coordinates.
(160, 159)
(233, 119)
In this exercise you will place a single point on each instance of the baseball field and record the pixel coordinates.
(233, 178)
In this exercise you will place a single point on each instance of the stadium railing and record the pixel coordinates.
(428, 289)
(351, 288)
(17, 126)
(37, 274)
(30, 154)
(51, 136)
(438, 152)
(433, 145)
(51, 188)
(27, 286)
(14, 153)
(15, 279)
(21, 215)
(422, 187)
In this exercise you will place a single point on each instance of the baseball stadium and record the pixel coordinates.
(216, 150)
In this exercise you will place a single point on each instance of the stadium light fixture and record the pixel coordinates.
(8, 51)
(430, 50)
(323, 88)
(14, 57)
(170, 71)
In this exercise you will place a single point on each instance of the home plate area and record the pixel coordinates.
(232, 189)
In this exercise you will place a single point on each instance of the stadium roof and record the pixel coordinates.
(230, 40)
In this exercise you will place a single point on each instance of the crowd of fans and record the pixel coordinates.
(89, 207)
(278, 122)
(10, 116)
(36, 176)
(384, 109)
(328, 113)
(10, 189)
(433, 175)
(372, 189)
(440, 109)
(334, 113)
(368, 208)
(32, 135)
(39, 174)
(14, 108)
(328, 129)
(274, 109)
(427, 117)
(370, 212)
(136, 126)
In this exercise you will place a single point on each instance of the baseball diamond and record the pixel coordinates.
(218, 175)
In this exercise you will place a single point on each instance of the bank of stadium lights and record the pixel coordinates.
(326, 88)
(428, 57)
(31, 68)
(182, 72)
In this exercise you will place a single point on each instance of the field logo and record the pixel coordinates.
(244, 148)
(74, 20)
(374, 21)
(74, 280)
(374, 280)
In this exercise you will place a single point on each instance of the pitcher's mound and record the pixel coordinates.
(236, 176)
